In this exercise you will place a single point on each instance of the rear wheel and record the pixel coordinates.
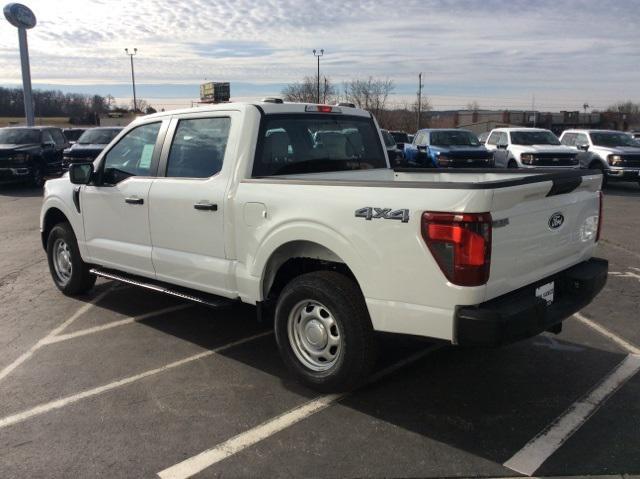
(70, 274)
(324, 332)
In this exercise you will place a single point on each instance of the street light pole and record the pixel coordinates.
(133, 78)
(318, 55)
(23, 19)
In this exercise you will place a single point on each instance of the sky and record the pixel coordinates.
(554, 55)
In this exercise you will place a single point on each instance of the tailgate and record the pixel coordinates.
(539, 230)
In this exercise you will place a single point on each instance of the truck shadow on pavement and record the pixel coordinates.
(477, 403)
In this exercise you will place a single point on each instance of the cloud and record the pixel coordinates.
(504, 51)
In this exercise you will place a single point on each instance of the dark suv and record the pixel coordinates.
(90, 145)
(30, 154)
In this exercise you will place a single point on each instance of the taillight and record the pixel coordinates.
(460, 244)
(601, 200)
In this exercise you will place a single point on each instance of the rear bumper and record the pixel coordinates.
(520, 314)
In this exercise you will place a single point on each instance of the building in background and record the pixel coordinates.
(215, 92)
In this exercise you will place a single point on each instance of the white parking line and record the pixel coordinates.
(198, 463)
(540, 448)
(624, 344)
(59, 403)
(8, 369)
(114, 324)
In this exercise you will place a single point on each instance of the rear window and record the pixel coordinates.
(311, 143)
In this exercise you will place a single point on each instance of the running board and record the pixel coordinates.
(210, 300)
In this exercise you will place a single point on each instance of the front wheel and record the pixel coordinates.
(37, 175)
(324, 332)
(512, 164)
(70, 274)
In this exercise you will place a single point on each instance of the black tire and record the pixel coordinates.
(512, 164)
(37, 175)
(602, 170)
(342, 299)
(78, 279)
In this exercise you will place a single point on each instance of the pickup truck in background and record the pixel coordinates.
(530, 148)
(447, 148)
(248, 202)
(614, 153)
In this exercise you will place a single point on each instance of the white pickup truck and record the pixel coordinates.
(293, 208)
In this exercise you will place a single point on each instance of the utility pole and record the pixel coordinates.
(324, 95)
(318, 55)
(133, 78)
(533, 108)
(420, 85)
(586, 107)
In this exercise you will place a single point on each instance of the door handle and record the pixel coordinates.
(206, 206)
(134, 200)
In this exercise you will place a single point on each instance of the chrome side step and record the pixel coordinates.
(197, 297)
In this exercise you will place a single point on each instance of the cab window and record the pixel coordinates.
(569, 139)
(132, 155)
(58, 137)
(198, 148)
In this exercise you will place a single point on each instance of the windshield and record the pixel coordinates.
(453, 138)
(400, 137)
(534, 138)
(389, 142)
(19, 136)
(311, 143)
(73, 135)
(612, 139)
(98, 136)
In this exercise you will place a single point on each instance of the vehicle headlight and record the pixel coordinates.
(615, 160)
(527, 158)
(19, 157)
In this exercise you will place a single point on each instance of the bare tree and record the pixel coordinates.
(627, 107)
(141, 105)
(370, 94)
(306, 91)
(473, 105)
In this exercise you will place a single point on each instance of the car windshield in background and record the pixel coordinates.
(19, 136)
(388, 139)
(310, 143)
(453, 138)
(73, 135)
(97, 137)
(613, 139)
(534, 138)
(400, 137)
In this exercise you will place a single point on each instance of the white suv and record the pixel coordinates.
(529, 148)
(615, 153)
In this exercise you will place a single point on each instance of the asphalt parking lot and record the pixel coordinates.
(128, 383)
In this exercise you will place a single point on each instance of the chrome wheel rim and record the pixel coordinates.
(62, 260)
(314, 335)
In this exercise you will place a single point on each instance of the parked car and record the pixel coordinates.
(447, 148)
(530, 148)
(395, 154)
(90, 144)
(614, 153)
(401, 138)
(30, 154)
(236, 202)
(72, 134)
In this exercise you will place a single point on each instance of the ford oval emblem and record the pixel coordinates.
(556, 221)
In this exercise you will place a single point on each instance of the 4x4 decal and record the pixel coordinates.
(369, 213)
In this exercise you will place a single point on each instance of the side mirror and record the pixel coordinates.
(80, 173)
(501, 146)
(584, 147)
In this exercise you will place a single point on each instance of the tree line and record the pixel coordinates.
(371, 94)
(79, 108)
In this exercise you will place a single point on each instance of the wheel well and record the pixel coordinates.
(52, 217)
(297, 258)
(596, 165)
